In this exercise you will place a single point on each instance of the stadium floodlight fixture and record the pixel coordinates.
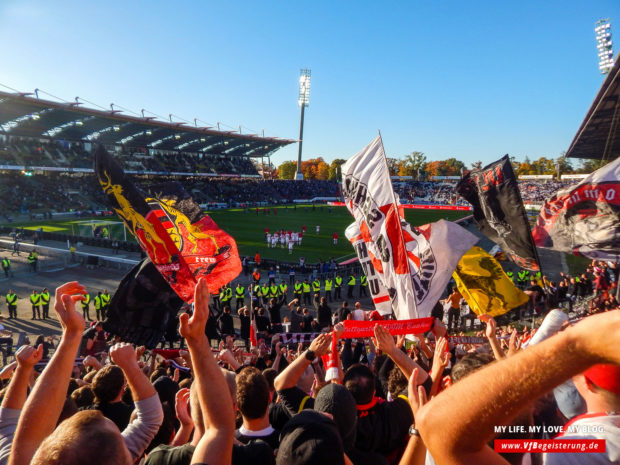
(304, 87)
(604, 45)
(303, 101)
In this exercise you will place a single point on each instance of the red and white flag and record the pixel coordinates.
(378, 292)
(414, 263)
(584, 219)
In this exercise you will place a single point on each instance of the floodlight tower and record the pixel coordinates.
(604, 45)
(303, 101)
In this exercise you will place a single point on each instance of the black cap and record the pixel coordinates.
(310, 438)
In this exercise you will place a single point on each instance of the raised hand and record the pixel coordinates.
(514, 344)
(181, 407)
(438, 328)
(321, 344)
(28, 356)
(491, 325)
(193, 328)
(339, 330)
(441, 357)
(124, 355)
(415, 392)
(7, 371)
(383, 340)
(70, 320)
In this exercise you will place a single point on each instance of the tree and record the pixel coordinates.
(335, 170)
(412, 164)
(287, 170)
(476, 165)
(322, 171)
(315, 168)
(454, 167)
(393, 166)
(588, 166)
(565, 165)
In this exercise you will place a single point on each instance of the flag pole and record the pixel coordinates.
(402, 235)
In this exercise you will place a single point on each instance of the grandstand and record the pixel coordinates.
(46, 162)
(46, 155)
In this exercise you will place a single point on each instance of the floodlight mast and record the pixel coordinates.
(604, 45)
(303, 101)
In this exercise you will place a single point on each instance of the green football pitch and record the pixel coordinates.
(248, 229)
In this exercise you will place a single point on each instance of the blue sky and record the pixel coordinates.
(472, 80)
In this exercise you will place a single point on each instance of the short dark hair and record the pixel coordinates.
(397, 382)
(82, 438)
(107, 383)
(468, 364)
(270, 375)
(83, 396)
(360, 382)
(252, 393)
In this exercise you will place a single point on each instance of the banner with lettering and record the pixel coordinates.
(360, 329)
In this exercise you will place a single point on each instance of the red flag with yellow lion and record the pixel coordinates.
(182, 242)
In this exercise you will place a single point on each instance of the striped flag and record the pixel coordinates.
(414, 263)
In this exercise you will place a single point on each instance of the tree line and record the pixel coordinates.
(418, 167)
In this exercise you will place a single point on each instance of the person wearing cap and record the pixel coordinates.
(310, 438)
(468, 412)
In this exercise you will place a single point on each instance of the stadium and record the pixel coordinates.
(220, 309)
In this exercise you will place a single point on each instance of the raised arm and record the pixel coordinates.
(43, 407)
(492, 336)
(440, 362)
(415, 453)
(384, 341)
(490, 396)
(290, 375)
(139, 433)
(124, 356)
(27, 357)
(215, 446)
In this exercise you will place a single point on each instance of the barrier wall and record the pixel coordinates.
(420, 206)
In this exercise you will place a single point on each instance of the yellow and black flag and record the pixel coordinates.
(484, 285)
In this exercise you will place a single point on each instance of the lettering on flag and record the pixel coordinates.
(584, 219)
(378, 292)
(494, 195)
(414, 264)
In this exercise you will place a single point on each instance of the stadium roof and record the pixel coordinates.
(597, 136)
(25, 116)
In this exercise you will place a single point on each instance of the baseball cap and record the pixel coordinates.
(605, 376)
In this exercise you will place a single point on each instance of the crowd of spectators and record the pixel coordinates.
(331, 400)
(63, 154)
(539, 191)
(26, 195)
(59, 192)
